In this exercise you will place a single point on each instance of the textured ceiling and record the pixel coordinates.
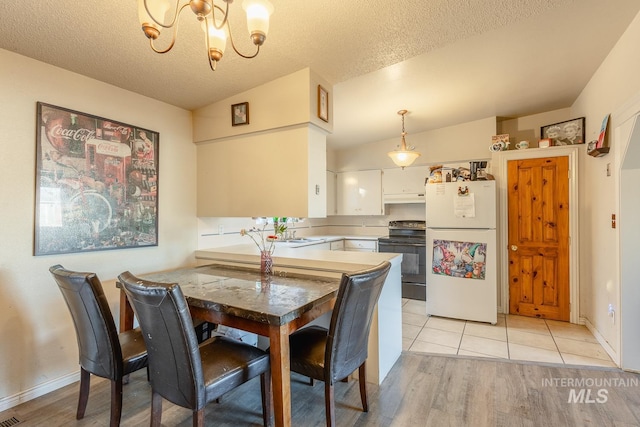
(446, 61)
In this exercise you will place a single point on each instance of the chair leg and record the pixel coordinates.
(198, 418)
(311, 381)
(116, 402)
(329, 405)
(85, 382)
(265, 388)
(362, 379)
(156, 409)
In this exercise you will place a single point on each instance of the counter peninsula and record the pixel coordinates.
(385, 338)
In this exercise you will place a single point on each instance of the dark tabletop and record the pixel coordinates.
(244, 293)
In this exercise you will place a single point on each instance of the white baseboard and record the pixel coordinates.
(610, 351)
(39, 390)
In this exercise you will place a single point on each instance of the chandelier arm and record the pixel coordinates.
(176, 15)
(173, 41)
(233, 45)
(240, 53)
(226, 15)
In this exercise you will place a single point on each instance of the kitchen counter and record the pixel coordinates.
(315, 240)
(286, 258)
(385, 337)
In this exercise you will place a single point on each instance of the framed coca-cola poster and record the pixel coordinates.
(96, 183)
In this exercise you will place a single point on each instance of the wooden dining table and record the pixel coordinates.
(273, 307)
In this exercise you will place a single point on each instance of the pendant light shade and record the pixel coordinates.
(403, 156)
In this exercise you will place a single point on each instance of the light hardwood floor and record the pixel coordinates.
(421, 390)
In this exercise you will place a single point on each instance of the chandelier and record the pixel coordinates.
(404, 155)
(154, 16)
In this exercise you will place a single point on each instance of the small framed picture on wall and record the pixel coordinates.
(323, 103)
(240, 114)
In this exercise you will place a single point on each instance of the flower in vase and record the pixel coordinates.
(265, 243)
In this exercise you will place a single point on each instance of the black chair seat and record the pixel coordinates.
(134, 352)
(307, 349)
(226, 364)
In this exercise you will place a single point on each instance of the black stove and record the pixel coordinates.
(406, 231)
(408, 237)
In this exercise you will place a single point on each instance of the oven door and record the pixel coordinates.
(413, 267)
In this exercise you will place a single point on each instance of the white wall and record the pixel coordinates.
(39, 350)
(528, 128)
(614, 83)
(463, 142)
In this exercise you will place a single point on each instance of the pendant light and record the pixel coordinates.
(403, 156)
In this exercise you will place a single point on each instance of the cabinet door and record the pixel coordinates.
(360, 193)
(405, 181)
(338, 245)
(356, 245)
(331, 193)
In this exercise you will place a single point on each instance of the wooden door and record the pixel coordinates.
(538, 202)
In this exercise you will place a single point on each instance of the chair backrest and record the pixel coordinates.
(351, 320)
(175, 366)
(98, 343)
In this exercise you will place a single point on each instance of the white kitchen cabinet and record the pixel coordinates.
(360, 193)
(404, 185)
(357, 245)
(325, 246)
(331, 193)
(265, 174)
(337, 245)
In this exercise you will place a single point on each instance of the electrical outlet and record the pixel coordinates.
(221, 230)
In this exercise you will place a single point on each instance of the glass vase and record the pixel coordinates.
(266, 263)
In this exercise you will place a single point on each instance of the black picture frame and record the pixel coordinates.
(97, 183)
(240, 114)
(569, 132)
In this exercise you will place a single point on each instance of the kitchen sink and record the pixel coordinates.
(302, 240)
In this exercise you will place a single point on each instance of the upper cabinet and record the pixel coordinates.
(275, 165)
(279, 173)
(404, 185)
(360, 193)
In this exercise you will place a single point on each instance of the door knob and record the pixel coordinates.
(514, 248)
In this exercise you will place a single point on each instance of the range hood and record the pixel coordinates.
(389, 199)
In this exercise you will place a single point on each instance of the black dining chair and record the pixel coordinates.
(334, 354)
(103, 351)
(181, 371)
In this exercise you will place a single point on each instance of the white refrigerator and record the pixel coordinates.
(461, 250)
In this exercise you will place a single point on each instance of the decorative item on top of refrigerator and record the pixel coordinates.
(461, 250)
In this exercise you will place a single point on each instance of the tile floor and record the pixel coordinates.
(513, 337)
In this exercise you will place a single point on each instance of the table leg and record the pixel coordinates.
(280, 375)
(126, 313)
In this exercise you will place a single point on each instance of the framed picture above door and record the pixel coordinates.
(570, 132)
